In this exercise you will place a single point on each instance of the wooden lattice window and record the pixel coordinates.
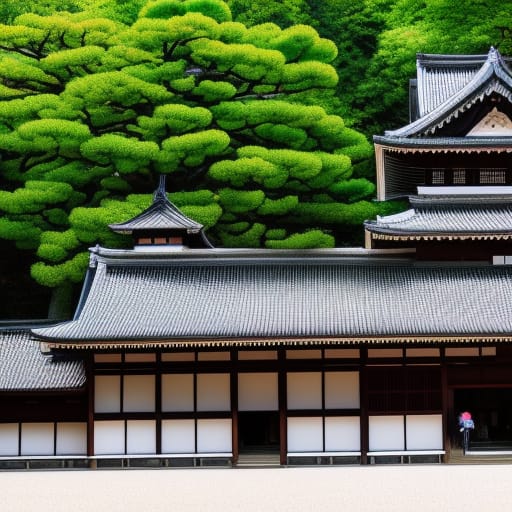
(437, 176)
(492, 176)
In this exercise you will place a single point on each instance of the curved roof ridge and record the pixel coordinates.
(493, 74)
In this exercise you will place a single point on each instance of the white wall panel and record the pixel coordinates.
(257, 392)
(213, 392)
(140, 437)
(107, 393)
(178, 436)
(424, 432)
(9, 433)
(214, 436)
(71, 439)
(342, 390)
(304, 390)
(305, 435)
(178, 392)
(342, 433)
(139, 393)
(386, 433)
(109, 437)
(37, 439)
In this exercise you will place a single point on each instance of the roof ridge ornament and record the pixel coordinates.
(160, 192)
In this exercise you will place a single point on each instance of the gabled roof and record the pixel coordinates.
(448, 217)
(161, 215)
(23, 367)
(315, 297)
(447, 85)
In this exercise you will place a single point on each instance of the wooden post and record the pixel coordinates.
(282, 393)
(363, 396)
(446, 408)
(234, 405)
(89, 371)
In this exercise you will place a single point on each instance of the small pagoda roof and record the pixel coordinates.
(447, 85)
(297, 298)
(23, 367)
(473, 217)
(162, 215)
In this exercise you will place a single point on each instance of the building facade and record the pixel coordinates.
(180, 353)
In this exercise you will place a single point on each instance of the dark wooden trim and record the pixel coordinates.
(235, 448)
(282, 399)
(363, 402)
(445, 400)
(158, 405)
(89, 368)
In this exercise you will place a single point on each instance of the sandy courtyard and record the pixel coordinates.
(391, 488)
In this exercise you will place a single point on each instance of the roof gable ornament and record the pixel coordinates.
(495, 123)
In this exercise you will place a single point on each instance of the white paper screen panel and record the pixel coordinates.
(109, 437)
(214, 436)
(178, 392)
(424, 432)
(107, 393)
(71, 439)
(139, 393)
(386, 433)
(342, 390)
(37, 439)
(213, 392)
(257, 392)
(305, 435)
(342, 434)
(178, 436)
(9, 433)
(304, 390)
(140, 437)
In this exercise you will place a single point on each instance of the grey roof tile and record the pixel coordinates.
(448, 85)
(288, 297)
(23, 367)
(449, 215)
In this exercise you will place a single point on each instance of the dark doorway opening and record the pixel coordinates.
(258, 431)
(491, 410)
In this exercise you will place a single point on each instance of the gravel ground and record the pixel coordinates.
(390, 488)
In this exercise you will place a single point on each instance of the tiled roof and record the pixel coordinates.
(23, 367)
(450, 84)
(449, 216)
(161, 215)
(242, 299)
(446, 144)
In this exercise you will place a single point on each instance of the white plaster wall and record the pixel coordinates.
(139, 393)
(386, 433)
(214, 436)
(342, 433)
(257, 392)
(140, 437)
(178, 392)
(342, 390)
(71, 438)
(305, 435)
(8, 439)
(424, 432)
(213, 392)
(304, 390)
(37, 439)
(178, 436)
(107, 393)
(109, 437)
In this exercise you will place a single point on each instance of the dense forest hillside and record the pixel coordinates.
(261, 112)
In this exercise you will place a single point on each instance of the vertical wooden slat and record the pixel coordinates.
(445, 398)
(158, 403)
